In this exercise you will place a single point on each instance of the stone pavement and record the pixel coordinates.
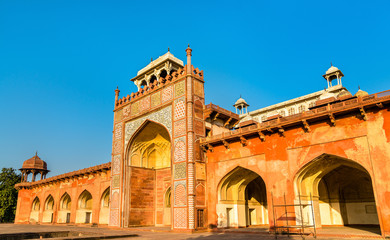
(163, 233)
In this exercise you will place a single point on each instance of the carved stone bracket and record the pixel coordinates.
(261, 136)
(210, 147)
(332, 119)
(306, 125)
(227, 122)
(379, 105)
(215, 117)
(363, 113)
(226, 144)
(243, 141)
(281, 131)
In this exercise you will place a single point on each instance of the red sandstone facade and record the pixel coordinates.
(179, 163)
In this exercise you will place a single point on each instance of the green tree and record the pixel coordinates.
(8, 194)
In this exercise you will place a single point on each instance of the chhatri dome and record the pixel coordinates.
(333, 73)
(361, 93)
(240, 105)
(34, 165)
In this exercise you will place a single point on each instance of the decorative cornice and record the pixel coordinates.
(78, 173)
(278, 125)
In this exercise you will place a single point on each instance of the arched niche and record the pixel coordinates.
(64, 212)
(84, 208)
(167, 207)
(104, 207)
(341, 190)
(242, 199)
(150, 147)
(48, 211)
(35, 207)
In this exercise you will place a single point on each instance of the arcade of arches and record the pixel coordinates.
(181, 163)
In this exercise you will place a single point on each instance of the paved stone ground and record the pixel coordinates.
(163, 234)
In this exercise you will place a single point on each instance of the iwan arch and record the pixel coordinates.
(181, 163)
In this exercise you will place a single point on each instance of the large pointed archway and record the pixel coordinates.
(147, 176)
(341, 190)
(242, 199)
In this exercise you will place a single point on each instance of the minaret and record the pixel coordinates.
(116, 95)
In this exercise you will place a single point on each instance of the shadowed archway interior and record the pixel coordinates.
(242, 199)
(342, 192)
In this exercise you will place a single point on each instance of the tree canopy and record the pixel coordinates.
(8, 194)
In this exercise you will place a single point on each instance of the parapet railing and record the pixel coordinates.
(329, 108)
(181, 72)
(221, 110)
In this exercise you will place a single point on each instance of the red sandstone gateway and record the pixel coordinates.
(322, 159)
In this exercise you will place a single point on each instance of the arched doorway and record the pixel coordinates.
(48, 210)
(342, 193)
(65, 209)
(148, 162)
(84, 208)
(242, 199)
(104, 207)
(35, 207)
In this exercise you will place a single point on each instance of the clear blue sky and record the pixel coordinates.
(60, 62)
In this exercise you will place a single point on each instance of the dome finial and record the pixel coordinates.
(331, 63)
(359, 87)
(168, 49)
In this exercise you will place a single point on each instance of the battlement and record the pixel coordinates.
(179, 74)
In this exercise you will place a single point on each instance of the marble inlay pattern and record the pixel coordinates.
(180, 170)
(163, 116)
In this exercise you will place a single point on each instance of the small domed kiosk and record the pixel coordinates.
(34, 165)
(241, 105)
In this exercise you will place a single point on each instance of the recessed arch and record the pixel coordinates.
(84, 207)
(242, 199)
(148, 159)
(48, 211)
(35, 207)
(163, 73)
(341, 190)
(167, 207)
(64, 211)
(150, 146)
(152, 79)
(104, 207)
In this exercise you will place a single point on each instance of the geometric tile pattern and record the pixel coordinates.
(118, 131)
(191, 213)
(179, 89)
(180, 150)
(180, 193)
(126, 111)
(115, 199)
(114, 217)
(163, 116)
(116, 164)
(156, 99)
(167, 94)
(145, 103)
(116, 181)
(118, 116)
(180, 217)
(135, 108)
(180, 170)
(180, 108)
(117, 147)
(179, 128)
